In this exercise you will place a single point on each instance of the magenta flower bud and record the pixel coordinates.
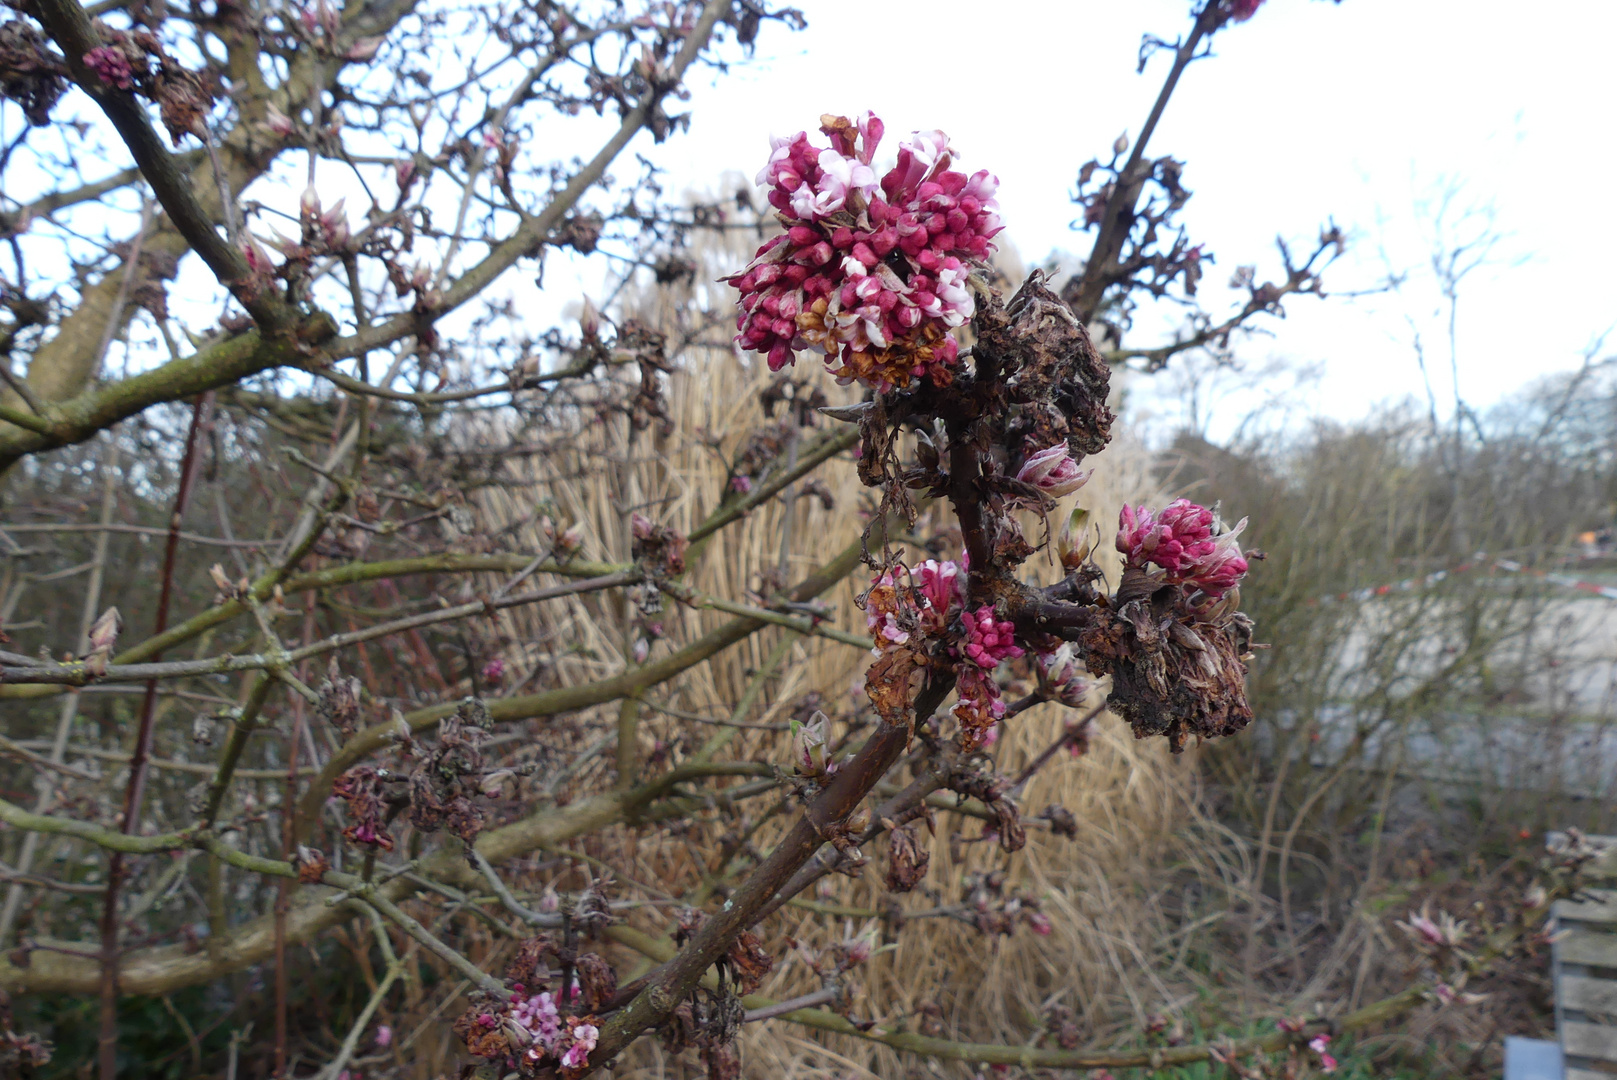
(258, 260)
(110, 63)
(989, 640)
(384, 1036)
(1173, 540)
(1054, 471)
(641, 526)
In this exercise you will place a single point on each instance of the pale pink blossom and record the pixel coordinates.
(577, 1055)
(1327, 1063)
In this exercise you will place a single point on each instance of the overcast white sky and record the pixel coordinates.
(1309, 110)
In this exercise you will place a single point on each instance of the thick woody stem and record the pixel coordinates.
(839, 799)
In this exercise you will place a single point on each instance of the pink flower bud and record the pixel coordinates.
(808, 747)
(1060, 676)
(384, 1036)
(494, 671)
(1054, 471)
(363, 49)
(277, 121)
(857, 950)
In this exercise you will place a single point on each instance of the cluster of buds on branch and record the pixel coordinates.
(1002, 427)
(871, 273)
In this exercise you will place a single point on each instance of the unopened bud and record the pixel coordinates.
(1054, 471)
(493, 785)
(277, 121)
(859, 820)
(1120, 145)
(104, 634)
(808, 745)
(1073, 545)
(364, 48)
(859, 949)
(202, 729)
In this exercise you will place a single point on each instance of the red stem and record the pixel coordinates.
(139, 761)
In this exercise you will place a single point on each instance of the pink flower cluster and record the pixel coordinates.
(1180, 539)
(979, 706)
(872, 274)
(535, 1029)
(927, 600)
(535, 1023)
(111, 65)
(989, 640)
(938, 592)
